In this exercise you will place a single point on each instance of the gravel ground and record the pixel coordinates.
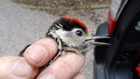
(20, 27)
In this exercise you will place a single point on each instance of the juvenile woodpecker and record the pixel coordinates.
(71, 35)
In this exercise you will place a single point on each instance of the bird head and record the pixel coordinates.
(71, 32)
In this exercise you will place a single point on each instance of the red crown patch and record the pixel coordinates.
(76, 20)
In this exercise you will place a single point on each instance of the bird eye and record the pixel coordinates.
(79, 33)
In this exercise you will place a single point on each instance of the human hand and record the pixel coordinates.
(37, 55)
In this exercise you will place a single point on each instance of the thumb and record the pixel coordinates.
(12, 67)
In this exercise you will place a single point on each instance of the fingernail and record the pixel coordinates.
(37, 53)
(21, 68)
(47, 76)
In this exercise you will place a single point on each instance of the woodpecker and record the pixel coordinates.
(71, 35)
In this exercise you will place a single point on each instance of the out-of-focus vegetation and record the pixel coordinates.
(57, 6)
(57, 3)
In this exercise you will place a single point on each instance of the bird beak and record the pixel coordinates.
(91, 40)
(100, 37)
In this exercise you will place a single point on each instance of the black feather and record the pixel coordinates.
(23, 50)
(67, 25)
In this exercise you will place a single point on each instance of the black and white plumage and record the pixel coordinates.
(71, 35)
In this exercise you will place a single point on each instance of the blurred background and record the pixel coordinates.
(23, 22)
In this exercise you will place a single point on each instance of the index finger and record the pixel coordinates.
(65, 67)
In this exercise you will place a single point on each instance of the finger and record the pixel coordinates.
(12, 67)
(79, 76)
(65, 67)
(39, 53)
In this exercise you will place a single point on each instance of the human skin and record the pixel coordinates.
(38, 54)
